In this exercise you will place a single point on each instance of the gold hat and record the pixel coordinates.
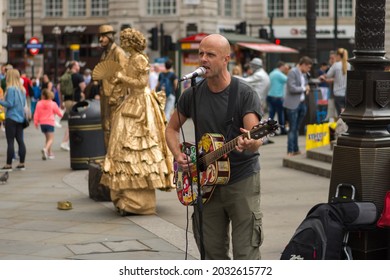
(64, 205)
(104, 29)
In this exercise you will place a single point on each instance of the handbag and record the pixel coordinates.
(26, 123)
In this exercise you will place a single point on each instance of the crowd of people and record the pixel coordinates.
(39, 100)
(284, 91)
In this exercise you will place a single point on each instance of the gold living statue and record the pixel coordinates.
(110, 94)
(138, 160)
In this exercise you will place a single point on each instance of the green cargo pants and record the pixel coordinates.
(233, 210)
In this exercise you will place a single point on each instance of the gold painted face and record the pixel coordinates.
(104, 41)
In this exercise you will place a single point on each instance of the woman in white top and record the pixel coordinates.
(338, 75)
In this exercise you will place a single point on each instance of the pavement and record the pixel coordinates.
(32, 228)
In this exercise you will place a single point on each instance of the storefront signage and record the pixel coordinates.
(322, 31)
(74, 29)
(189, 46)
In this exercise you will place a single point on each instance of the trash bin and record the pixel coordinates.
(86, 137)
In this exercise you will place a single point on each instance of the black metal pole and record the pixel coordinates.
(311, 31)
(8, 46)
(335, 24)
(161, 39)
(32, 32)
(361, 155)
(271, 28)
(56, 60)
(199, 203)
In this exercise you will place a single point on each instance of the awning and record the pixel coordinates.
(234, 38)
(267, 48)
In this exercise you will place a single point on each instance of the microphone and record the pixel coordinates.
(198, 72)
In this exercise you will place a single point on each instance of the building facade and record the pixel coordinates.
(78, 22)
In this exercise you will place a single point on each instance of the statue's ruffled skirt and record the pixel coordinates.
(138, 160)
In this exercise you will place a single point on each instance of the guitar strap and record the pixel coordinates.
(233, 94)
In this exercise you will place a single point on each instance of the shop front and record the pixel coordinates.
(73, 42)
(243, 49)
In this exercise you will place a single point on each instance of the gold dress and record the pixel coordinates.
(138, 160)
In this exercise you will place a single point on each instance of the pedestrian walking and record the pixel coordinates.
(15, 102)
(44, 116)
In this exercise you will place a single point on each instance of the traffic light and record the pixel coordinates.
(263, 33)
(168, 44)
(277, 41)
(153, 39)
(241, 27)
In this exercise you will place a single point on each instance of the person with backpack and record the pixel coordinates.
(167, 81)
(72, 87)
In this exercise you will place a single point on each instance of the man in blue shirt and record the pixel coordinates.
(278, 79)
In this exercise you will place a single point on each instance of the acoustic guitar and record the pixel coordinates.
(213, 163)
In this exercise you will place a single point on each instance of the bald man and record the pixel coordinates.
(236, 203)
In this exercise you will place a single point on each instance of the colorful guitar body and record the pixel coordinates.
(214, 165)
(217, 172)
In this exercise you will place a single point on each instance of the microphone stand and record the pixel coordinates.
(199, 203)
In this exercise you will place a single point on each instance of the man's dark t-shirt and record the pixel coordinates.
(211, 113)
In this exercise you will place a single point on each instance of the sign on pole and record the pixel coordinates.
(34, 46)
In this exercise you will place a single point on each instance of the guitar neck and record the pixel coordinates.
(258, 132)
(218, 153)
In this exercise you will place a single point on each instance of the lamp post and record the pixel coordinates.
(361, 155)
(8, 30)
(57, 32)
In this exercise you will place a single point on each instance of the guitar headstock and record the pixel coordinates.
(264, 128)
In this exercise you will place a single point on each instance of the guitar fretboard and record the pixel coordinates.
(256, 133)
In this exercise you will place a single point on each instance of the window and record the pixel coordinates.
(228, 8)
(161, 7)
(53, 8)
(275, 8)
(322, 8)
(16, 8)
(76, 8)
(99, 7)
(297, 8)
(238, 8)
(219, 7)
(344, 8)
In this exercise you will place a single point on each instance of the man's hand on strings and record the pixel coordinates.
(244, 143)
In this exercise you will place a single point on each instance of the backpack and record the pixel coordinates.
(323, 234)
(166, 82)
(66, 84)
